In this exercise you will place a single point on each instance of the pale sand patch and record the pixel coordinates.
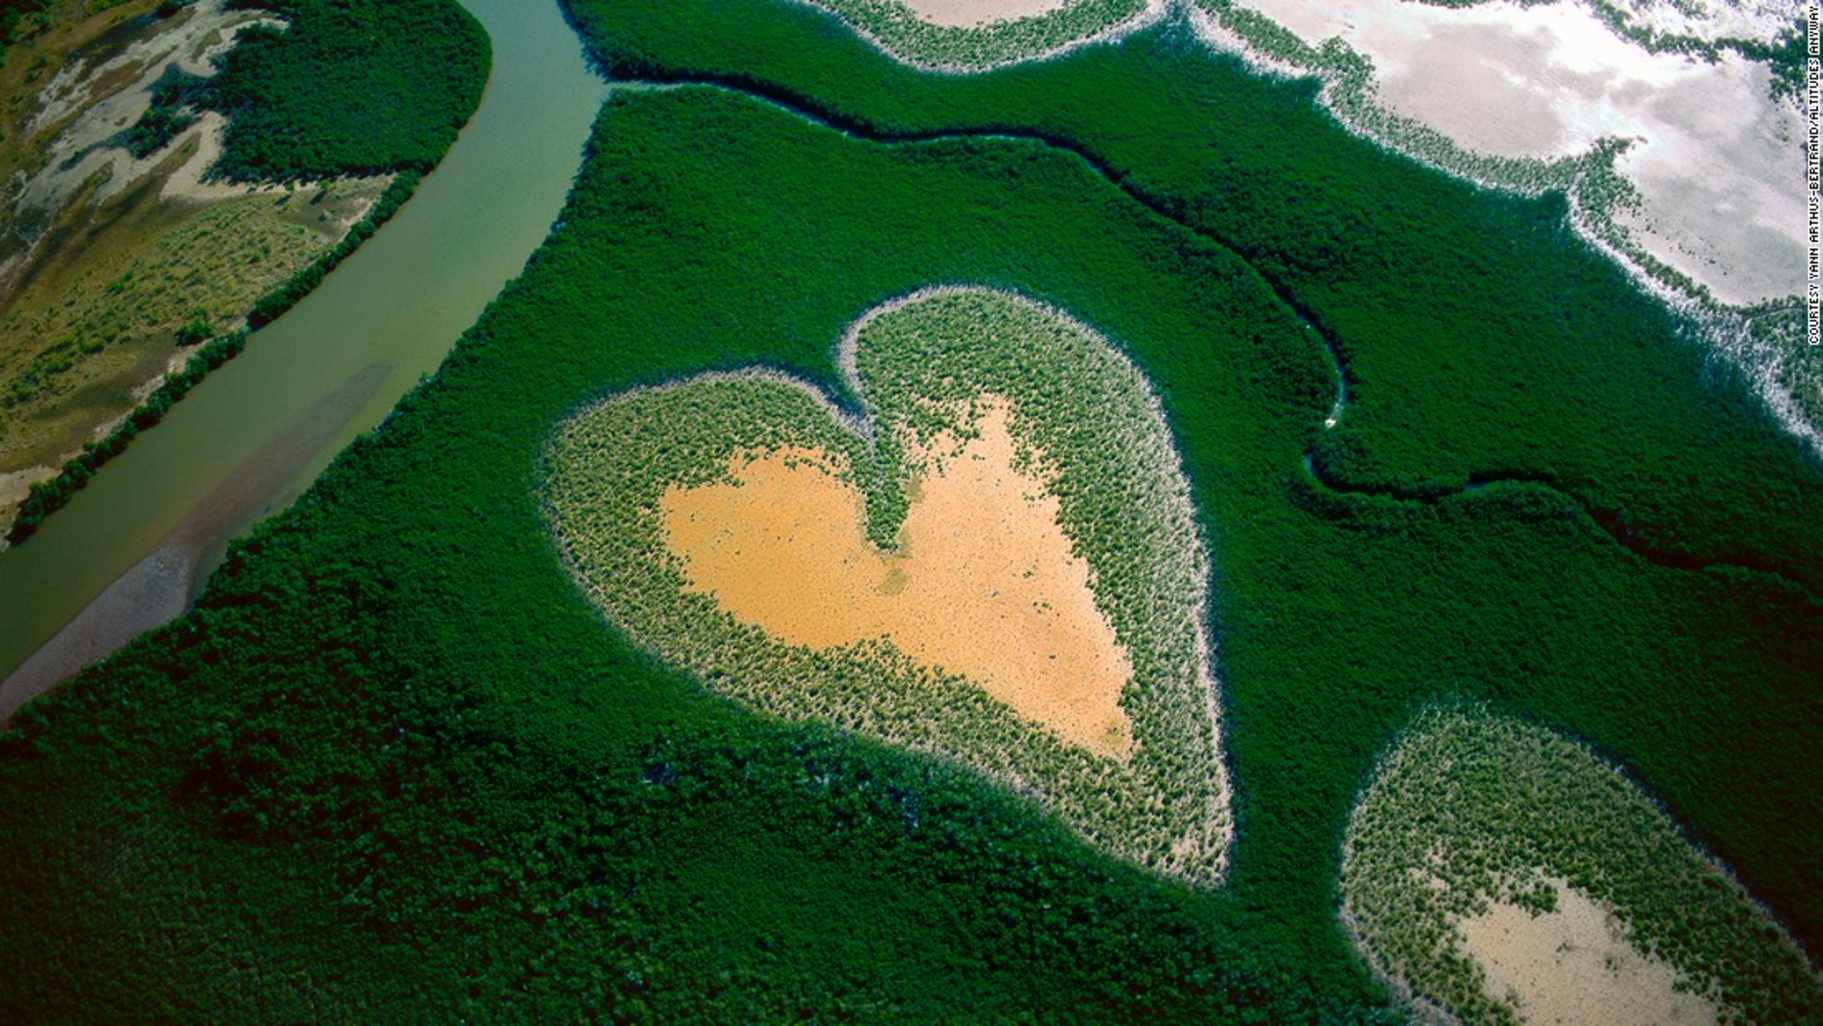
(187, 182)
(83, 144)
(1714, 157)
(1575, 967)
(15, 486)
(911, 52)
(984, 585)
(979, 12)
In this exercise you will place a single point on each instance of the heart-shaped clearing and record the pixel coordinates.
(983, 583)
(999, 563)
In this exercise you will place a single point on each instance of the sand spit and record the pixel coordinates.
(984, 583)
(189, 181)
(1574, 966)
(1009, 491)
(154, 591)
(1711, 154)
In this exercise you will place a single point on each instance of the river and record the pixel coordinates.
(133, 548)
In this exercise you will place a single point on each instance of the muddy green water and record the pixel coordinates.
(255, 434)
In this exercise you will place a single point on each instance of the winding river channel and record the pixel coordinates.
(133, 548)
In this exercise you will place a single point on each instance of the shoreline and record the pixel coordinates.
(75, 473)
(527, 130)
(1591, 175)
(73, 129)
(160, 587)
(16, 482)
(1604, 202)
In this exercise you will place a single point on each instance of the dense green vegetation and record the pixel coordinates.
(165, 118)
(12, 14)
(922, 369)
(1480, 338)
(1471, 809)
(348, 87)
(344, 88)
(1418, 279)
(396, 766)
(20, 20)
(779, 868)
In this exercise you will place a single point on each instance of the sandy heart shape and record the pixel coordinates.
(996, 560)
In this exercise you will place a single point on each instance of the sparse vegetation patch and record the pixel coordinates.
(92, 326)
(120, 243)
(934, 373)
(1473, 818)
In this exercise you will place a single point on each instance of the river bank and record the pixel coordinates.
(115, 257)
(401, 300)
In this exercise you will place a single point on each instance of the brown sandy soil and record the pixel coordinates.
(979, 12)
(984, 583)
(1575, 967)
